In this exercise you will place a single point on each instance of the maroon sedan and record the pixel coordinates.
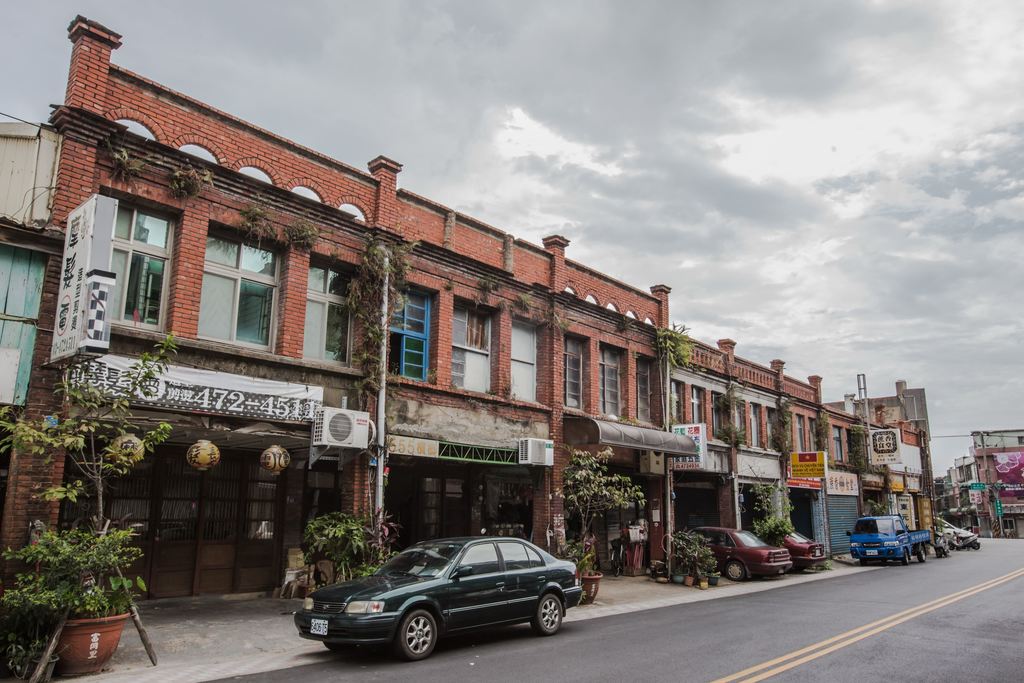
(741, 554)
(805, 552)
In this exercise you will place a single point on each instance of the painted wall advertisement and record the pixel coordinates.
(885, 447)
(843, 483)
(697, 432)
(1010, 472)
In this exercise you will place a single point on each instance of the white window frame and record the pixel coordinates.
(755, 424)
(524, 358)
(465, 349)
(237, 275)
(606, 372)
(578, 358)
(697, 416)
(643, 412)
(129, 247)
(327, 300)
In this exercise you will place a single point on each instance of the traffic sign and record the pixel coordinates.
(977, 486)
(999, 508)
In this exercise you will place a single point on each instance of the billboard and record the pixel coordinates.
(697, 432)
(808, 465)
(885, 447)
(1010, 473)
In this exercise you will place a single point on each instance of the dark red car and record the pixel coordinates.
(741, 554)
(805, 552)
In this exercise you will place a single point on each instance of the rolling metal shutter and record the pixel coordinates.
(842, 516)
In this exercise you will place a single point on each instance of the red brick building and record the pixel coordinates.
(495, 340)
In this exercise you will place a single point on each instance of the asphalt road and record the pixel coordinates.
(842, 629)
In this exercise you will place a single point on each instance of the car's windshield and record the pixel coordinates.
(799, 537)
(748, 539)
(422, 559)
(874, 526)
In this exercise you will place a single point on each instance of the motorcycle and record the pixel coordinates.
(941, 545)
(968, 542)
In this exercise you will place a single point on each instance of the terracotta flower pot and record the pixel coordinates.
(86, 645)
(688, 581)
(590, 585)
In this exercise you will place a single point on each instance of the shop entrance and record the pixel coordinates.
(696, 506)
(202, 532)
(802, 514)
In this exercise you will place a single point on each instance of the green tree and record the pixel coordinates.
(771, 514)
(589, 490)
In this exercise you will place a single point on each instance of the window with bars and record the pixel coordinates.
(643, 389)
(410, 337)
(237, 300)
(524, 361)
(573, 372)
(609, 370)
(471, 350)
(327, 330)
(141, 252)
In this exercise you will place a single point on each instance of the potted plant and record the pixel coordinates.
(77, 574)
(589, 491)
(713, 578)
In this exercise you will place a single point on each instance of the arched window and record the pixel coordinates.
(612, 307)
(631, 314)
(569, 290)
(257, 173)
(649, 321)
(199, 152)
(306, 192)
(354, 210)
(137, 128)
(590, 299)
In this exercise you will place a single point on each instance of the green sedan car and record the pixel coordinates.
(441, 587)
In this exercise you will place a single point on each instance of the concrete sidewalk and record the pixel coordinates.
(201, 639)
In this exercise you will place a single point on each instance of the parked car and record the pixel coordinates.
(806, 553)
(741, 554)
(442, 587)
(886, 537)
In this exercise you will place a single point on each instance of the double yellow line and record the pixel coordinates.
(796, 658)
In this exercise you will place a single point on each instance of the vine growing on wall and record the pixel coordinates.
(255, 223)
(187, 182)
(674, 344)
(302, 234)
(126, 166)
(858, 450)
(365, 295)
(782, 428)
(822, 433)
(728, 403)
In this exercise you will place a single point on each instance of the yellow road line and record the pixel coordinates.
(864, 631)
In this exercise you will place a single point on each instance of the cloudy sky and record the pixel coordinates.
(836, 184)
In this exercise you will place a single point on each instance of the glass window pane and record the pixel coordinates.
(458, 367)
(215, 306)
(151, 230)
(478, 372)
(478, 332)
(255, 302)
(459, 326)
(416, 313)
(524, 346)
(413, 359)
(143, 289)
(317, 278)
(523, 382)
(336, 347)
(122, 228)
(257, 260)
(337, 284)
(117, 264)
(312, 345)
(221, 251)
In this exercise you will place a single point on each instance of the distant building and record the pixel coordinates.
(999, 459)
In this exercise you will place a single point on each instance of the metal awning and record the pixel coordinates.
(580, 431)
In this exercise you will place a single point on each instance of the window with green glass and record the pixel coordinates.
(141, 249)
(237, 299)
(327, 321)
(410, 336)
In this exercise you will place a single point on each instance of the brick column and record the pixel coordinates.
(386, 213)
(555, 245)
(292, 303)
(815, 381)
(662, 292)
(186, 289)
(501, 352)
(441, 338)
(592, 377)
(627, 384)
(90, 64)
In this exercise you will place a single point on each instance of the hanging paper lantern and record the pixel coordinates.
(203, 455)
(126, 448)
(275, 459)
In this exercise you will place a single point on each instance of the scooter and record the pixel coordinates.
(941, 545)
(969, 542)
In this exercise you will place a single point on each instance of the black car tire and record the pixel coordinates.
(416, 635)
(976, 545)
(548, 618)
(921, 554)
(336, 647)
(905, 560)
(863, 562)
(735, 571)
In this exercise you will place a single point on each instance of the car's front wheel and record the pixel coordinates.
(548, 618)
(417, 635)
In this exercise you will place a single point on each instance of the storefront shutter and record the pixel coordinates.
(842, 516)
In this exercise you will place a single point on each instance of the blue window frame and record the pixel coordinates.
(410, 337)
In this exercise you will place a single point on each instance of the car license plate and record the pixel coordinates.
(870, 552)
(318, 627)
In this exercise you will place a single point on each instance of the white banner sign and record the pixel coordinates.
(85, 280)
(697, 432)
(842, 483)
(885, 447)
(211, 392)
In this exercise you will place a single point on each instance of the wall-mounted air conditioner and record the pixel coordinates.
(341, 428)
(536, 452)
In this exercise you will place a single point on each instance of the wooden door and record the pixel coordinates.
(173, 562)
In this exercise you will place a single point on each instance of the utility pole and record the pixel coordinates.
(991, 492)
(382, 392)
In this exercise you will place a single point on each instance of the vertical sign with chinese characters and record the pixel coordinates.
(697, 432)
(85, 280)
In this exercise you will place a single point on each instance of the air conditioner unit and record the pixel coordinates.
(652, 462)
(341, 428)
(536, 452)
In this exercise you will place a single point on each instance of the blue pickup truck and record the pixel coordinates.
(887, 538)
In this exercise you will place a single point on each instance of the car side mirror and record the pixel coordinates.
(461, 571)
(848, 532)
